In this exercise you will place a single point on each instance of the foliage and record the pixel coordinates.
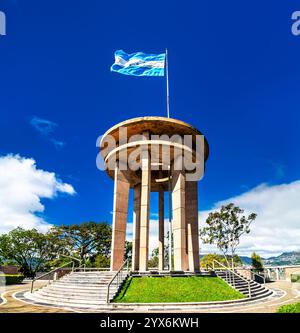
(290, 308)
(295, 277)
(209, 258)
(128, 250)
(166, 250)
(86, 240)
(257, 262)
(176, 289)
(29, 249)
(34, 251)
(13, 279)
(225, 228)
(101, 261)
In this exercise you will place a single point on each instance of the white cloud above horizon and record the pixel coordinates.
(275, 230)
(46, 128)
(22, 186)
(277, 226)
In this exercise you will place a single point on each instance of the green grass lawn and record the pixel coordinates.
(290, 308)
(176, 289)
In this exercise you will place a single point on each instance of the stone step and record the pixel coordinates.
(79, 290)
(252, 283)
(90, 276)
(76, 287)
(85, 280)
(252, 288)
(257, 290)
(80, 283)
(68, 302)
(92, 297)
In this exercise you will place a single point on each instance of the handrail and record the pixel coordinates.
(82, 267)
(53, 271)
(114, 277)
(238, 275)
(261, 276)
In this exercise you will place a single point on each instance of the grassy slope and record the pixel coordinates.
(176, 289)
(290, 308)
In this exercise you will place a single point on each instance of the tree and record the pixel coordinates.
(225, 228)
(86, 240)
(101, 261)
(128, 250)
(153, 261)
(257, 262)
(209, 258)
(29, 249)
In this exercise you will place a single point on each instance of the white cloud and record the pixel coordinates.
(153, 233)
(277, 226)
(22, 186)
(46, 128)
(275, 230)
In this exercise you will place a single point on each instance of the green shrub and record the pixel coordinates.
(13, 279)
(295, 277)
(290, 308)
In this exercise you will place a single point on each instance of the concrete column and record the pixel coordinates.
(179, 221)
(136, 227)
(191, 212)
(120, 209)
(145, 205)
(161, 231)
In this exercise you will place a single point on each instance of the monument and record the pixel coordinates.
(143, 154)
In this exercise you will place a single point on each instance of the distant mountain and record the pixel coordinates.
(286, 258)
(246, 260)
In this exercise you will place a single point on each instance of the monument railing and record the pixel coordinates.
(118, 279)
(230, 275)
(56, 273)
(253, 274)
(83, 268)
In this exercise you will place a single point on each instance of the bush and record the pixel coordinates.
(295, 277)
(13, 279)
(290, 308)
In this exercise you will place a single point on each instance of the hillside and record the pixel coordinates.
(286, 258)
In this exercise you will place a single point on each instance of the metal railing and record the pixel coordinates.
(52, 273)
(117, 279)
(231, 276)
(55, 270)
(90, 269)
(260, 276)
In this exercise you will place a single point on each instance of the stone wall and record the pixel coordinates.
(291, 270)
(246, 273)
(10, 269)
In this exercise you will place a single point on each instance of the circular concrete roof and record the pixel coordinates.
(157, 126)
(154, 126)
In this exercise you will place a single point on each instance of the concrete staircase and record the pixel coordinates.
(77, 289)
(238, 282)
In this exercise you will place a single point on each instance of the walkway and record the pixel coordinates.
(286, 293)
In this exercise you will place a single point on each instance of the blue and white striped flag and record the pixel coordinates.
(139, 64)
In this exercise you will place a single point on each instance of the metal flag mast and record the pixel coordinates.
(167, 81)
(169, 180)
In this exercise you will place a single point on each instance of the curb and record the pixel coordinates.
(3, 300)
(276, 294)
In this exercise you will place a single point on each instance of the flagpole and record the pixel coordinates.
(167, 82)
(169, 176)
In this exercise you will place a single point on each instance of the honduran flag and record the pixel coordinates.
(139, 64)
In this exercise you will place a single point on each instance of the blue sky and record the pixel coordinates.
(234, 74)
